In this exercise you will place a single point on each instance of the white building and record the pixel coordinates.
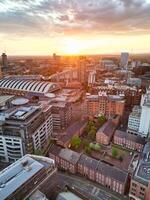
(144, 127)
(134, 120)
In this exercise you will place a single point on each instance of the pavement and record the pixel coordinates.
(89, 189)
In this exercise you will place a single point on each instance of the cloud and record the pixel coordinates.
(26, 17)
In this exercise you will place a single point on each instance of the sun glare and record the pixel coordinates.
(72, 46)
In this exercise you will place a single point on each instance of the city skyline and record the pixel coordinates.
(42, 27)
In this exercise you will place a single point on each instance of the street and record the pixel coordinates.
(91, 190)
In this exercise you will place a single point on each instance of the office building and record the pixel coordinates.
(124, 60)
(61, 115)
(144, 127)
(140, 181)
(134, 120)
(23, 130)
(4, 62)
(19, 179)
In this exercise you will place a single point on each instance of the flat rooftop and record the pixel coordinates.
(142, 173)
(16, 174)
(22, 113)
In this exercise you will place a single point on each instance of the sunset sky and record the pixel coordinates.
(41, 27)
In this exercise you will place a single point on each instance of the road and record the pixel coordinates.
(91, 190)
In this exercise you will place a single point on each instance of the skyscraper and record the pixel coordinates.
(124, 60)
(4, 61)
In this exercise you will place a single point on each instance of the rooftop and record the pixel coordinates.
(131, 137)
(108, 128)
(111, 171)
(142, 173)
(22, 113)
(69, 155)
(28, 85)
(17, 174)
(88, 161)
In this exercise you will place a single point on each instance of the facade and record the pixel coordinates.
(23, 130)
(144, 127)
(25, 87)
(140, 182)
(75, 129)
(21, 177)
(104, 104)
(132, 95)
(111, 177)
(105, 133)
(134, 120)
(129, 141)
(98, 171)
(65, 158)
(61, 115)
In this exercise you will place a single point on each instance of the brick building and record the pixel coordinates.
(129, 141)
(104, 104)
(105, 133)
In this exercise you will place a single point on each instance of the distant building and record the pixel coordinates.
(91, 77)
(129, 141)
(140, 181)
(134, 82)
(132, 95)
(124, 60)
(4, 62)
(24, 130)
(20, 178)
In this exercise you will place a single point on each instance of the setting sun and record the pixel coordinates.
(72, 46)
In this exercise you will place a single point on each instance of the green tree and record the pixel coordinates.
(75, 141)
(97, 147)
(92, 133)
(114, 152)
(101, 119)
(92, 146)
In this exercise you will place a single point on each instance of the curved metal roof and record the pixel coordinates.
(27, 85)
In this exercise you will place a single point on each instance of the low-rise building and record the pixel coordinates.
(140, 181)
(87, 166)
(75, 129)
(21, 177)
(105, 133)
(129, 141)
(65, 158)
(112, 177)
